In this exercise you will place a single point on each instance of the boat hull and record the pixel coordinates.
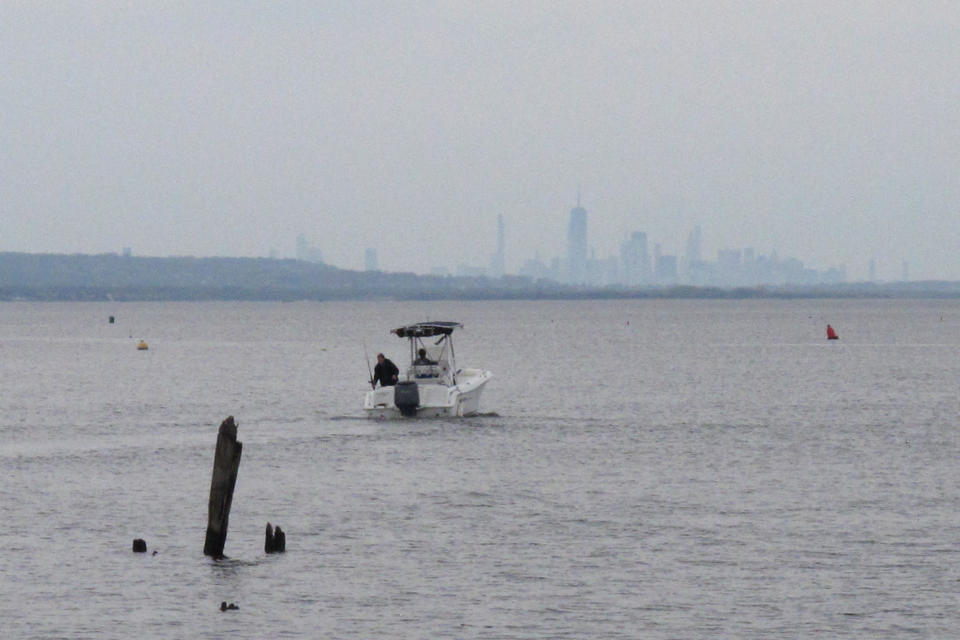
(436, 400)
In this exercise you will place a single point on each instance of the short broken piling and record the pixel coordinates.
(226, 462)
(275, 540)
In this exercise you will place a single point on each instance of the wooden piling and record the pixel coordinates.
(226, 463)
(275, 540)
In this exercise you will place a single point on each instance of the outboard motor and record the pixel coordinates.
(407, 397)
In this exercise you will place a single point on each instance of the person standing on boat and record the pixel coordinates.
(385, 371)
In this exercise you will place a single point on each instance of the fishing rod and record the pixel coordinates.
(369, 370)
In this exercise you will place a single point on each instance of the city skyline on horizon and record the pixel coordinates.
(829, 134)
(557, 267)
(306, 250)
(639, 264)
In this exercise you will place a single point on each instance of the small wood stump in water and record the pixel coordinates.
(275, 540)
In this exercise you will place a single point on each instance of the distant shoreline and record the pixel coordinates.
(110, 277)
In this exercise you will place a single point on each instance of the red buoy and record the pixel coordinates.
(831, 334)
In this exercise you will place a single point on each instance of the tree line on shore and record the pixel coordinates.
(75, 277)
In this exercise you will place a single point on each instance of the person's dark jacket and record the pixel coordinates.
(386, 373)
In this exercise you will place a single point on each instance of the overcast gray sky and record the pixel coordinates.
(829, 131)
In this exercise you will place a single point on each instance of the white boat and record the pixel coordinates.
(432, 385)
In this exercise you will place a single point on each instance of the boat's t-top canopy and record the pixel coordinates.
(426, 329)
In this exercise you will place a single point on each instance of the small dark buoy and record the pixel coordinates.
(111, 319)
(139, 546)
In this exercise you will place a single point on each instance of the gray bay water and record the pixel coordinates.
(656, 469)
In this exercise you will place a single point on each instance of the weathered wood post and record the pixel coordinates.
(226, 462)
(275, 540)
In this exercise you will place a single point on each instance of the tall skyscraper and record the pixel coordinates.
(370, 260)
(498, 261)
(635, 260)
(577, 245)
(665, 270)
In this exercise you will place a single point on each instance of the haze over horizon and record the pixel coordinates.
(829, 132)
